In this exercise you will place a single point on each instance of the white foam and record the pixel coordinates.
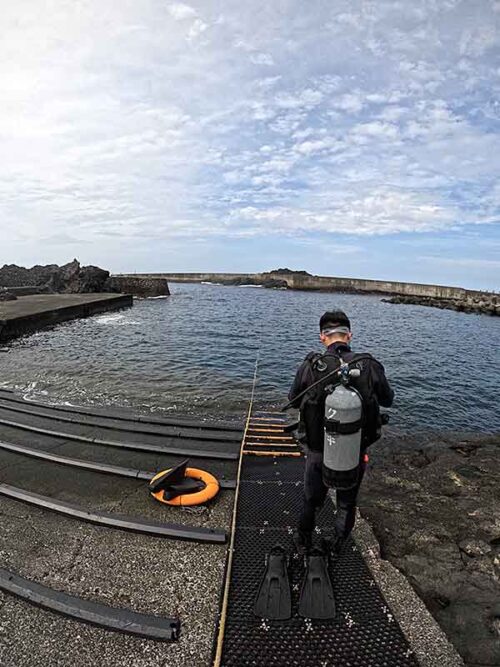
(117, 319)
(109, 319)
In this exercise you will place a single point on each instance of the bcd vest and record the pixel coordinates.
(312, 408)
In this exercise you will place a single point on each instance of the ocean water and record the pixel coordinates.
(195, 352)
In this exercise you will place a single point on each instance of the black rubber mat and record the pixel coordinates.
(364, 632)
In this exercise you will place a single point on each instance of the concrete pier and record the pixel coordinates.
(34, 312)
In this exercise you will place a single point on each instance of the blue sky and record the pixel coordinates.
(356, 138)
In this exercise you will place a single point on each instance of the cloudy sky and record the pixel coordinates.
(354, 138)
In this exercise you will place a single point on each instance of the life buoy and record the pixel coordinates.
(199, 498)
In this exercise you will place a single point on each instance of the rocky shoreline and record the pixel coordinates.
(270, 283)
(486, 304)
(434, 505)
(72, 278)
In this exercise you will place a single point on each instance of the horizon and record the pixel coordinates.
(351, 139)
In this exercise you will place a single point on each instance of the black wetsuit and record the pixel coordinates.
(375, 390)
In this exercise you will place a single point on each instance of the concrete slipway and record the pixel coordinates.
(130, 570)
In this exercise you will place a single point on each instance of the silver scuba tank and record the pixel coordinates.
(342, 427)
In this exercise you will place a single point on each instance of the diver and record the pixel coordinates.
(309, 396)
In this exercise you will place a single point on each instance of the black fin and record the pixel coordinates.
(274, 598)
(317, 600)
(175, 483)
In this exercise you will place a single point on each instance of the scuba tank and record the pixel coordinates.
(342, 429)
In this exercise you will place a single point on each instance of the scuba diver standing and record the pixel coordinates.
(338, 394)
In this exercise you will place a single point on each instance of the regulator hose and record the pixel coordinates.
(318, 382)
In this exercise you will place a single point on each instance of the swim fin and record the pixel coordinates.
(274, 599)
(317, 600)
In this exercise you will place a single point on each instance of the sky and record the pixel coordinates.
(351, 138)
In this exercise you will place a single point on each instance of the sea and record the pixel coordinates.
(197, 352)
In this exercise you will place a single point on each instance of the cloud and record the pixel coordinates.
(349, 102)
(374, 212)
(262, 59)
(315, 146)
(196, 29)
(179, 11)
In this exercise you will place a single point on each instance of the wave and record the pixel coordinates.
(109, 319)
(117, 319)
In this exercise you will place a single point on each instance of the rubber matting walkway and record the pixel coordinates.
(364, 633)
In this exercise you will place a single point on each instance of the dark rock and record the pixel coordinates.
(435, 508)
(474, 548)
(17, 276)
(237, 282)
(70, 277)
(290, 271)
(89, 279)
(270, 283)
(61, 278)
(486, 306)
(273, 283)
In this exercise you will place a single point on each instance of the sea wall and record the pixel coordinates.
(142, 286)
(334, 284)
(305, 281)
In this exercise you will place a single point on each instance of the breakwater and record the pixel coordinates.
(486, 304)
(301, 280)
(28, 314)
(141, 286)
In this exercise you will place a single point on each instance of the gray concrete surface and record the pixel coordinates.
(147, 574)
(424, 635)
(31, 313)
(112, 455)
(140, 572)
(133, 571)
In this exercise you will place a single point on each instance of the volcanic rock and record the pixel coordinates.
(434, 504)
(70, 277)
(488, 305)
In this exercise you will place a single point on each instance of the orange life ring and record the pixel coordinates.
(210, 491)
